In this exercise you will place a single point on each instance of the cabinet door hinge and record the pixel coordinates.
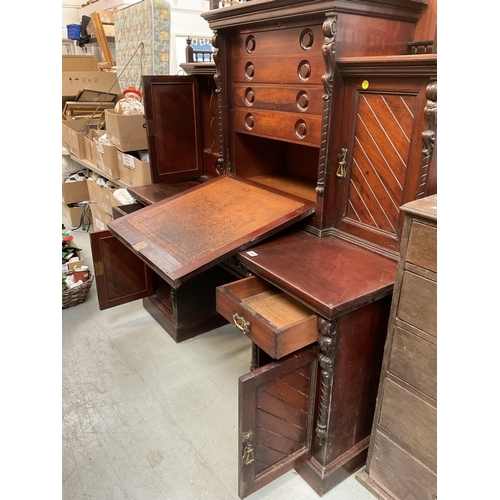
(98, 269)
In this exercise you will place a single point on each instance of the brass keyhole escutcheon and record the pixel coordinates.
(241, 323)
(341, 169)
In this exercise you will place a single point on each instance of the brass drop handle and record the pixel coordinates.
(341, 170)
(241, 323)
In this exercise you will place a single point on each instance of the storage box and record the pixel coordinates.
(106, 157)
(73, 135)
(73, 192)
(133, 172)
(88, 149)
(100, 218)
(73, 31)
(74, 81)
(74, 215)
(82, 62)
(78, 263)
(127, 132)
(91, 184)
(105, 199)
(106, 16)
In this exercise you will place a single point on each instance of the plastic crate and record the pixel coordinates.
(73, 31)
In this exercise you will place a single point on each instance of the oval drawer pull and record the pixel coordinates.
(241, 323)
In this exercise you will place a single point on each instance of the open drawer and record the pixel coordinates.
(271, 318)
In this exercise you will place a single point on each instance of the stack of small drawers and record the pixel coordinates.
(277, 87)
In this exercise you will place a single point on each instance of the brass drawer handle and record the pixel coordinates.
(241, 323)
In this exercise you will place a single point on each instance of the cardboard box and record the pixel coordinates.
(73, 135)
(88, 148)
(80, 262)
(127, 132)
(74, 81)
(73, 192)
(74, 215)
(109, 30)
(106, 157)
(100, 218)
(106, 16)
(105, 199)
(133, 172)
(72, 63)
(91, 184)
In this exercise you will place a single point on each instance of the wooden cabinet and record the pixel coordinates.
(316, 93)
(316, 145)
(402, 459)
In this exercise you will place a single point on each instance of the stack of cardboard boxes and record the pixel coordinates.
(116, 158)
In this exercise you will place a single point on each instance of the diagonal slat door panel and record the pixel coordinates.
(276, 418)
(281, 408)
(379, 159)
(287, 393)
(278, 425)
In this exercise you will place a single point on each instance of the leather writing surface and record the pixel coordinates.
(200, 227)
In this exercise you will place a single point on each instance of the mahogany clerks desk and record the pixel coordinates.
(283, 218)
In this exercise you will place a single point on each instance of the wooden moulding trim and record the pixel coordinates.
(395, 66)
(325, 470)
(263, 10)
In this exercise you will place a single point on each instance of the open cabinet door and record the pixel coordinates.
(173, 123)
(276, 408)
(120, 275)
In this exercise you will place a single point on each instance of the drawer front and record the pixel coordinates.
(399, 473)
(290, 99)
(410, 419)
(292, 70)
(422, 246)
(418, 303)
(298, 41)
(414, 360)
(273, 320)
(291, 127)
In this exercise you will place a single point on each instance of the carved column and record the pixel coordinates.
(220, 168)
(328, 50)
(428, 139)
(326, 340)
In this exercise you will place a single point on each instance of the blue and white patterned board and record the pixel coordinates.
(147, 21)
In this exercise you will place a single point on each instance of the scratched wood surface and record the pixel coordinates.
(331, 275)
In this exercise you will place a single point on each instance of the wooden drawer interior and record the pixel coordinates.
(422, 246)
(272, 319)
(414, 360)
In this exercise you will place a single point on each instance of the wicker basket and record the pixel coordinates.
(77, 294)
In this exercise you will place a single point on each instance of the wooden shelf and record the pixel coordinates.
(103, 5)
(94, 168)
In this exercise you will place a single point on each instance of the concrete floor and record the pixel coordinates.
(145, 418)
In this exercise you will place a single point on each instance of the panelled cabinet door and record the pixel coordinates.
(379, 164)
(120, 275)
(276, 406)
(173, 123)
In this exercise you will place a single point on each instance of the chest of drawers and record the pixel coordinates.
(402, 459)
